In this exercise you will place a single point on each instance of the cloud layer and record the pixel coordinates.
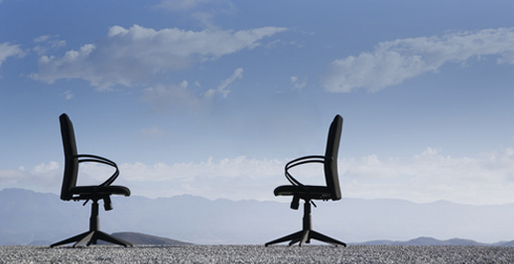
(132, 56)
(392, 62)
(430, 176)
(426, 177)
(8, 50)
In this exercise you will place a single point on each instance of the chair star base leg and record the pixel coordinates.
(106, 237)
(290, 237)
(304, 237)
(91, 237)
(71, 239)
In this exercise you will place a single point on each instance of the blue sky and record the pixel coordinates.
(212, 98)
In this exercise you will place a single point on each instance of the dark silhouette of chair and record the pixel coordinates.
(308, 192)
(70, 190)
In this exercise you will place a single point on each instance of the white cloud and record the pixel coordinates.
(42, 38)
(46, 43)
(298, 84)
(133, 56)
(68, 95)
(237, 178)
(238, 74)
(164, 96)
(431, 176)
(44, 168)
(392, 62)
(8, 50)
(426, 177)
(44, 177)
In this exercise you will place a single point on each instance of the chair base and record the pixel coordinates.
(94, 233)
(91, 237)
(306, 234)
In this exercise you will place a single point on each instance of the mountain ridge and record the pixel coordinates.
(145, 239)
(27, 216)
(430, 241)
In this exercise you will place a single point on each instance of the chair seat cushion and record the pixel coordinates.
(99, 190)
(304, 192)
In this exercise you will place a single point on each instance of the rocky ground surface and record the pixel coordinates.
(257, 254)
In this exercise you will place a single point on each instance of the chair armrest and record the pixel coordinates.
(300, 161)
(102, 160)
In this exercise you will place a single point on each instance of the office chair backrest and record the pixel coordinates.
(331, 174)
(71, 163)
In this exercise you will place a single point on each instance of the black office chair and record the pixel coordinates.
(308, 192)
(70, 190)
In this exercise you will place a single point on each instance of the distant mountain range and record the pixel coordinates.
(144, 239)
(28, 217)
(429, 241)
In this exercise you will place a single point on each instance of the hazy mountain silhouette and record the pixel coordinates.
(427, 241)
(144, 239)
(27, 216)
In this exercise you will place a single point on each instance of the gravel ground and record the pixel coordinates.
(257, 254)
